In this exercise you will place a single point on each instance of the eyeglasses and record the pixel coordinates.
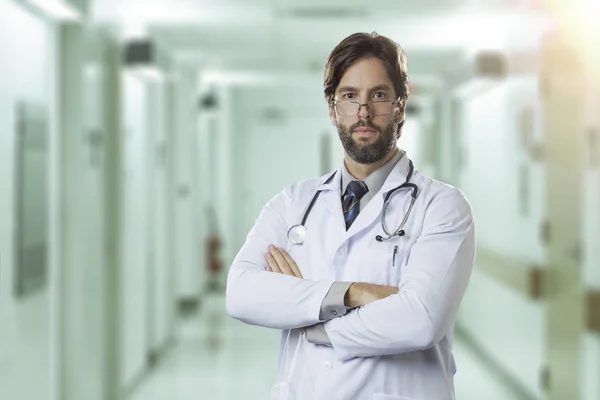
(349, 108)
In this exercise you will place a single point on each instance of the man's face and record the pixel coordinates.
(367, 138)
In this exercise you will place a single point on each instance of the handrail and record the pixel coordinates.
(526, 278)
(593, 310)
(523, 277)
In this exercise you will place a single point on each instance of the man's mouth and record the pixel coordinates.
(365, 132)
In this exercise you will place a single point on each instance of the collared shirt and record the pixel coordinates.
(333, 303)
(374, 181)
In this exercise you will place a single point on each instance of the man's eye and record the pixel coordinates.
(380, 95)
(348, 96)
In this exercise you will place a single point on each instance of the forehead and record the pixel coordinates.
(365, 74)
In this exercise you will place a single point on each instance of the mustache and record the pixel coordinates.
(363, 124)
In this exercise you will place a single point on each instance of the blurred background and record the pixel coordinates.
(139, 140)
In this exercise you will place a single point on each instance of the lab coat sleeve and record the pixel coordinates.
(430, 291)
(269, 299)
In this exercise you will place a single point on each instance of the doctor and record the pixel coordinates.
(363, 269)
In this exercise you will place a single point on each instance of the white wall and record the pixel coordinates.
(161, 304)
(187, 207)
(411, 139)
(209, 137)
(82, 216)
(25, 327)
(509, 327)
(591, 258)
(224, 171)
(135, 247)
(212, 166)
(491, 129)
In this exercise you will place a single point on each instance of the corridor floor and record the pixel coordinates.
(219, 358)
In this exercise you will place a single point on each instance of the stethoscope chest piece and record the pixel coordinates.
(297, 234)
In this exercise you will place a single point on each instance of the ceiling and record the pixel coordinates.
(298, 35)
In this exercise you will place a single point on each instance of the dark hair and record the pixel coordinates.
(366, 45)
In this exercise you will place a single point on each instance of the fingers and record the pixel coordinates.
(271, 263)
(279, 260)
(292, 264)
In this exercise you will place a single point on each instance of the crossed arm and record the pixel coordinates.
(344, 296)
(388, 320)
(359, 294)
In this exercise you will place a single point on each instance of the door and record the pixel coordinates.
(83, 274)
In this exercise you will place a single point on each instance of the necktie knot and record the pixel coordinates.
(357, 189)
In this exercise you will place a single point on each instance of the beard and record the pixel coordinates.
(369, 153)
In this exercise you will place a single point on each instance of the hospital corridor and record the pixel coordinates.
(209, 356)
(437, 231)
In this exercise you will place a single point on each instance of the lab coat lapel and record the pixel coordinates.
(331, 198)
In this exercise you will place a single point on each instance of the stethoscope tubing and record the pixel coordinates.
(407, 184)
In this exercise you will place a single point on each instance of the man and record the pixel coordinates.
(366, 302)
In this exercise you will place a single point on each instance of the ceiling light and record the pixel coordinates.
(61, 10)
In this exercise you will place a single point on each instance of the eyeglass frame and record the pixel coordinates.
(334, 103)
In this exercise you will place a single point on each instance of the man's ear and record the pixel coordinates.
(401, 107)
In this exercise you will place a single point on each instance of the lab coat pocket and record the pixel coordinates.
(382, 265)
(383, 396)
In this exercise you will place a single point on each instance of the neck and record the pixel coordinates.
(362, 171)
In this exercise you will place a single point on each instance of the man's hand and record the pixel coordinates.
(360, 293)
(279, 261)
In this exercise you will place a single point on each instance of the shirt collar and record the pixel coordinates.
(377, 178)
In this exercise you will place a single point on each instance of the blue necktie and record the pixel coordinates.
(351, 202)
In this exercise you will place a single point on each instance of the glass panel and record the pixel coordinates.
(31, 197)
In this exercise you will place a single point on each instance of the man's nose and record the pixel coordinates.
(364, 112)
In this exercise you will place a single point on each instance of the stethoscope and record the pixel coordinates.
(297, 233)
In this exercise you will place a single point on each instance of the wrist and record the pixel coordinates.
(352, 297)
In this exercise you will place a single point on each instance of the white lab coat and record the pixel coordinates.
(397, 348)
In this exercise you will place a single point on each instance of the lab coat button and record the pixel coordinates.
(333, 312)
(327, 365)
